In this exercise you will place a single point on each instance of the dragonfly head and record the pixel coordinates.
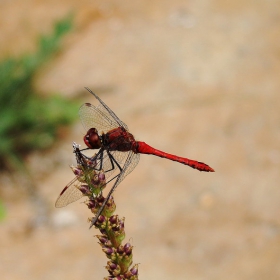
(92, 139)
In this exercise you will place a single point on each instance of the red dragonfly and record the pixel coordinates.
(118, 150)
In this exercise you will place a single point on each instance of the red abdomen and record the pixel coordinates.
(144, 148)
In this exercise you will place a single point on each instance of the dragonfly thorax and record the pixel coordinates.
(92, 139)
(119, 139)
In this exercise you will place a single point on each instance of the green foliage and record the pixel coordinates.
(2, 211)
(29, 121)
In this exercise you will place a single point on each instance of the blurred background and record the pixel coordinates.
(198, 79)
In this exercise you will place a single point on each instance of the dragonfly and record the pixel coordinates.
(118, 151)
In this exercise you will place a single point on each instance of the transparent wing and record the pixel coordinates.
(69, 194)
(113, 115)
(101, 117)
(130, 163)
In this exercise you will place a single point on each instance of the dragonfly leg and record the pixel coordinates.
(112, 159)
(100, 157)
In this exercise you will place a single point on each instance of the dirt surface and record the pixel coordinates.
(194, 78)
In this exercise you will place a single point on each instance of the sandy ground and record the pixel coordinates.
(194, 78)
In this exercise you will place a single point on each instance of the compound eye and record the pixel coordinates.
(92, 139)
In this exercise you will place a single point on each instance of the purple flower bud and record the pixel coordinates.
(108, 251)
(121, 224)
(120, 250)
(100, 199)
(134, 269)
(91, 203)
(101, 176)
(112, 265)
(102, 238)
(84, 189)
(101, 219)
(127, 248)
(77, 171)
(113, 219)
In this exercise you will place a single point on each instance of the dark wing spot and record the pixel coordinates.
(63, 190)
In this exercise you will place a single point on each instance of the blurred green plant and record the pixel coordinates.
(29, 121)
(2, 211)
